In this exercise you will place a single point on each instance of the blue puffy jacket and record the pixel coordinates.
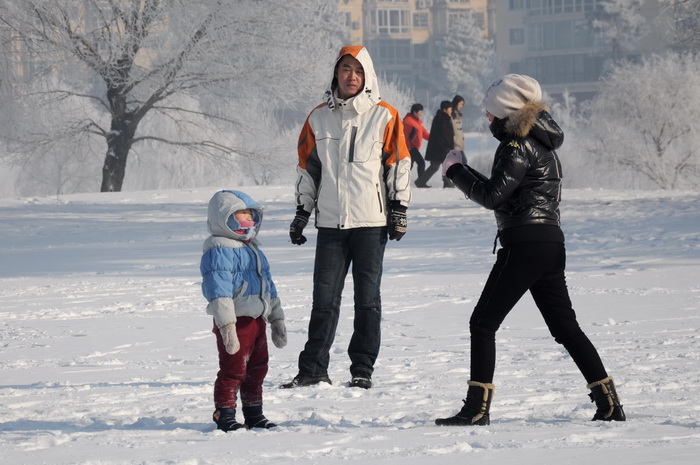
(236, 277)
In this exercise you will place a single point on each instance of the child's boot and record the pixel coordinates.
(225, 419)
(254, 417)
(476, 407)
(605, 396)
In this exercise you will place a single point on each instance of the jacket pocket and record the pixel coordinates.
(364, 145)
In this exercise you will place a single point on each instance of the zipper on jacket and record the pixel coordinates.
(263, 283)
(379, 198)
(353, 135)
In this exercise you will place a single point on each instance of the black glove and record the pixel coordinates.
(397, 220)
(298, 224)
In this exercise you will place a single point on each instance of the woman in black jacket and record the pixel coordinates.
(440, 143)
(524, 192)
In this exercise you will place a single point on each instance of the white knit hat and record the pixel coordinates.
(510, 93)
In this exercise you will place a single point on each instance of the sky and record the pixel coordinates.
(107, 355)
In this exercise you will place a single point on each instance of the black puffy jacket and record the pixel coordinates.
(525, 184)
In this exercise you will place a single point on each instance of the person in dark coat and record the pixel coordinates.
(441, 141)
(524, 191)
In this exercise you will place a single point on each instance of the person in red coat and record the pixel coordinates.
(415, 134)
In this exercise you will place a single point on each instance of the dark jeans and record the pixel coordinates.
(417, 159)
(539, 268)
(336, 249)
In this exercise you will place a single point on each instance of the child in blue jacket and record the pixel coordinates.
(237, 283)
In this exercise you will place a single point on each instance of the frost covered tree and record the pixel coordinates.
(646, 118)
(466, 56)
(139, 66)
(399, 95)
(685, 23)
(620, 24)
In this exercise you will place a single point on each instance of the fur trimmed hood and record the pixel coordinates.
(532, 120)
(521, 121)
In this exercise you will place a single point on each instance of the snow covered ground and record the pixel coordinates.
(106, 354)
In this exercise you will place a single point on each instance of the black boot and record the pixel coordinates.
(361, 379)
(254, 418)
(605, 396)
(303, 380)
(225, 419)
(476, 407)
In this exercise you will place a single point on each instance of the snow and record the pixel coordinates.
(107, 355)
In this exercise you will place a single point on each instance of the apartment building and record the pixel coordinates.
(403, 35)
(552, 41)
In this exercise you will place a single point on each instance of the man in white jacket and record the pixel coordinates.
(354, 172)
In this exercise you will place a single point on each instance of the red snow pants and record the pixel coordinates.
(246, 369)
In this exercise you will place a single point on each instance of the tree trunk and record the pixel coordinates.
(115, 164)
(119, 140)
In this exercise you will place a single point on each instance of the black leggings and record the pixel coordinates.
(538, 268)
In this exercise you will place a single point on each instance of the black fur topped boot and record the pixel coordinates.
(476, 407)
(225, 419)
(604, 394)
(254, 418)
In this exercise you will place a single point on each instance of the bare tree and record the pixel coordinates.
(139, 58)
(646, 118)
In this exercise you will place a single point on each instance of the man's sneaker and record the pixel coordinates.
(225, 419)
(302, 380)
(361, 380)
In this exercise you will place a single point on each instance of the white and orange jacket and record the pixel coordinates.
(353, 158)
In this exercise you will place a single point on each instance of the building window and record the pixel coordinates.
(479, 19)
(589, 5)
(556, 7)
(421, 20)
(421, 51)
(390, 52)
(559, 35)
(534, 7)
(454, 18)
(563, 69)
(515, 5)
(390, 21)
(516, 36)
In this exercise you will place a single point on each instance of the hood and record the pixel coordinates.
(223, 205)
(366, 98)
(531, 120)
